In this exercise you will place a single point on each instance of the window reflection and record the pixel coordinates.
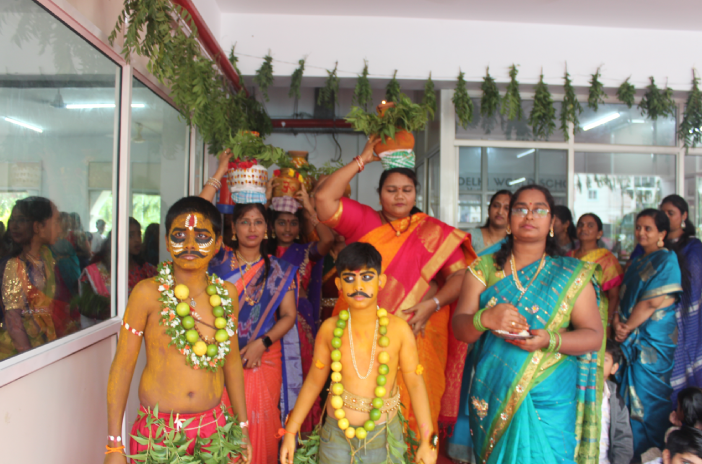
(620, 125)
(58, 120)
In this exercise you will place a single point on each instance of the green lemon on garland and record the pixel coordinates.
(337, 389)
(377, 403)
(369, 425)
(384, 341)
(338, 332)
(218, 311)
(182, 309)
(361, 433)
(211, 290)
(188, 322)
(381, 380)
(344, 315)
(336, 355)
(336, 342)
(192, 336)
(375, 414)
(215, 300)
(211, 351)
(341, 324)
(383, 369)
(383, 330)
(221, 335)
(380, 392)
(220, 322)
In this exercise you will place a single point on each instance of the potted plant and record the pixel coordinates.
(394, 122)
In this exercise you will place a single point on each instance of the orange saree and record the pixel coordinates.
(425, 250)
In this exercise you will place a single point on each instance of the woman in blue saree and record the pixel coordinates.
(485, 240)
(646, 328)
(533, 316)
(267, 294)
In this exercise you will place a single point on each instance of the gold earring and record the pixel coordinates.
(233, 236)
(551, 232)
(298, 237)
(509, 230)
(273, 234)
(660, 242)
(265, 236)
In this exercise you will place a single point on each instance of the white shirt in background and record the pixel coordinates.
(604, 433)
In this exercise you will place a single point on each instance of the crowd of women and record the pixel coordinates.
(511, 318)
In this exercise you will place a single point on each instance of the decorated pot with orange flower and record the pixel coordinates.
(287, 182)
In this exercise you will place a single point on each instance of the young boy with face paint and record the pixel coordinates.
(366, 349)
(183, 388)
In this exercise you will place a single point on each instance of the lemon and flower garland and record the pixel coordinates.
(176, 316)
(337, 388)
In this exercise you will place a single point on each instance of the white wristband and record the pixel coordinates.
(117, 439)
(243, 424)
(438, 304)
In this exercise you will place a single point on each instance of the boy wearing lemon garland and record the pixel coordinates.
(197, 314)
(363, 349)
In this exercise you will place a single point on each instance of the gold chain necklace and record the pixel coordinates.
(397, 232)
(516, 276)
(249, 264)
(251, 300)
(353, 354)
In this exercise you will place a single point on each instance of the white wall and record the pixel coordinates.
(416, 46)
(58, 414)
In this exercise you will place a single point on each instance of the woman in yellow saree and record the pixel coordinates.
(419, 253)
(536, 392)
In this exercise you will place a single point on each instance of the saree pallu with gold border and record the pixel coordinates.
(534, 407)
(609, 275)
(415, 251)
(644, 376)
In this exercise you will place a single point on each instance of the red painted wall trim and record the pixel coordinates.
(209, 41)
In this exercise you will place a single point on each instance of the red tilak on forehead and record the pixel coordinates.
(191, 221)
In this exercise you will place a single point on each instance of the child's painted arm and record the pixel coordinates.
(128, 347)
(316, 378)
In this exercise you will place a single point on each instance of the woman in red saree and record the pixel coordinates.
(419, 252)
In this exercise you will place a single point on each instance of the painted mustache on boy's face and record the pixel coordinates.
(359, 293)
(190, 253)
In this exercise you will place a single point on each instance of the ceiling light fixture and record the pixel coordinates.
(638, 121)
(516, 181)
(599, 122)
(528, 152)
(92, 106)
(25, 125)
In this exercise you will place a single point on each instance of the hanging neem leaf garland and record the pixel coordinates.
(656, 103)
(490, 100)
(362, 93)
(512, 101)
(462, 102)
(690, 131)
(233, 59)
(264, 75)
(392, 91)
(328, 95)
(626, 93)
(429, 98)
(571, 108)
(296, 80)
(542, 118)
(596, 95)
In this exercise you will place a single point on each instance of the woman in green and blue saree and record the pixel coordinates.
(646, 328)
(489, 238)
(534, 319)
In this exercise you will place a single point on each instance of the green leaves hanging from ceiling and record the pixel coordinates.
(512, 101)
(690, 131)
(657, 103)
(264, 75)
(429, 97)
(490, 100)
(329, 94)
(542, 118)
(362, 93)
(626, 93)
(571, 108)
(296, 80)
(462, 102)
(392, 91)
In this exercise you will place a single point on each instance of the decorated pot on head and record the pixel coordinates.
(397, 153)
(299, 159)
(247, 181)
(285, 187)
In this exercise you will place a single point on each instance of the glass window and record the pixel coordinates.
(499, 128)
(58, 132)
(434, 183)
(693, 188)
(420, 190)
(618, 124)
(159, 177)
(616, 186)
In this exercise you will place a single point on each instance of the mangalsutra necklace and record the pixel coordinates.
(397, 232)
(353, 354)
(251, 300)
(248, 264)
(516, 276)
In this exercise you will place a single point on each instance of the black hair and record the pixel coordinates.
(492, 200)
(596, 218)
(358, 255)
(195, 205)
(614, 350)
(659, 218)
(239, 210)
(35, 209)
(138, 258)
(564, 214)
(686, 440)
(404, 171)
(104, 251)
(552, 248)
(688, 228)
(690, 404)
(273, 216)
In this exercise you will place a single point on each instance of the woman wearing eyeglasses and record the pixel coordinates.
(646, 328)
(533, 317)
